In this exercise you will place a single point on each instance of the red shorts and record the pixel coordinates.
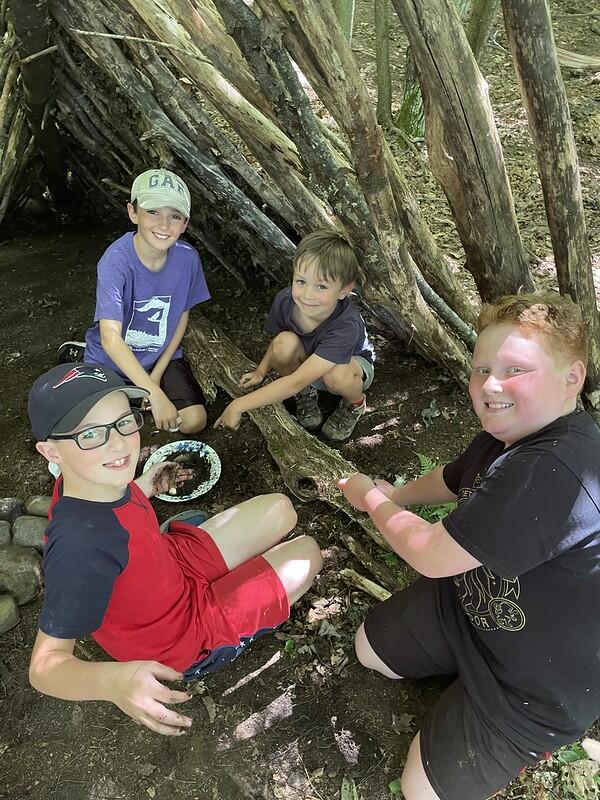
(236, 606)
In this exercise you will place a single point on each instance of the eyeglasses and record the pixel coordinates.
(90, 438)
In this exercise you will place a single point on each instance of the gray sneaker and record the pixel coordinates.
(341, 423)
(308, 413)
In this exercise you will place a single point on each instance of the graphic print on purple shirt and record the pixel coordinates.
(337, 339)
(148, 304)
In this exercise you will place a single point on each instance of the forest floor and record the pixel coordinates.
(296, 716)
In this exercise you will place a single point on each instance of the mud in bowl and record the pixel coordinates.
(191, 455)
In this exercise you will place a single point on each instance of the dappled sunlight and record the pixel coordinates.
(392, 422)
(370, 441)
(294, 572)
(346, 743)
(251, 675)
(259, 722)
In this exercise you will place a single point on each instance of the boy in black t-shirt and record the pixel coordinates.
(509, 599)
(320, 342)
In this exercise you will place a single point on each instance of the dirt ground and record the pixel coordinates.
(296, 715)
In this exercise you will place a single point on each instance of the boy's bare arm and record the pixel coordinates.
(429, 489)
(133, 686)
(309, 371)
(113, 344)
(427, 547)
(167, 354)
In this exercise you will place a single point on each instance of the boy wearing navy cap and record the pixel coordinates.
(165, 606)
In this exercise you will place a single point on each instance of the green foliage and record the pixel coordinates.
(289, 648)
(431, 513)
(570, 753)
(394, 786)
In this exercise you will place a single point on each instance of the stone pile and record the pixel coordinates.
(22, 526)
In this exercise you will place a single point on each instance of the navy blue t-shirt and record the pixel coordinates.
(337, 339)
(525, 626)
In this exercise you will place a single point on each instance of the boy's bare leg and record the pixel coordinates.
(287, 353)
(368, 657)
(296, 563)
(346, 380)
(414, 782)
(251, 528)
(193, 419)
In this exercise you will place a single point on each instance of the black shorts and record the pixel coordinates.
(465, 755)
(180, 385)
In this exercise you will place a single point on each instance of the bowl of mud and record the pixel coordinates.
(193, 455)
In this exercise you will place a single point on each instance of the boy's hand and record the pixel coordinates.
(355, 488)
(163, 411)
(138, 692)
(162, 477)
(253, 378)
(230, 418)
(386, 487)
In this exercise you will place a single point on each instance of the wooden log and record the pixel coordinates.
(32, 25)
(464, 148)
(529, 29)
(309, 467)
(108, 57)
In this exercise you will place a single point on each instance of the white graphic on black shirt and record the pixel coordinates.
(490, 602)
(147, 329)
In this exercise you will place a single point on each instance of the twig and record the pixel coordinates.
(352, 578)
(155, 42)
(39, 54)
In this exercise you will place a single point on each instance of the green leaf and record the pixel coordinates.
(289, 647)
(394, 786)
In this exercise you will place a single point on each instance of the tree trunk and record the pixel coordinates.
(32, 25)
(529, 29)
(381, 14)
(483, 16)
(344, 11)
(464, 148)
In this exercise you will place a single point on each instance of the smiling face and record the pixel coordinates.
(315, 296)
(517, 387)
(157, 230)
(101, 474)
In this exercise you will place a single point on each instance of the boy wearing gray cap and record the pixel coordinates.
(147, 283)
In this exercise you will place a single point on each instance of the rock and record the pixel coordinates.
(20, 572)
(29, 532)
(4, 532)
(10, 508)
(37, 505)
(9, 613)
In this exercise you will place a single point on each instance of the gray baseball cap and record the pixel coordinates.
(161, 188)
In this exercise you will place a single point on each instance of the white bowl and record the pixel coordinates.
(169, 451)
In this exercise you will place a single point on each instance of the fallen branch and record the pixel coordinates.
(352, 578)
(308, 466)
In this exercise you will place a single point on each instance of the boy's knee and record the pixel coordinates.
(339, 377)
(313, 553)
(193, 419)
(283, 507)
(286, 347)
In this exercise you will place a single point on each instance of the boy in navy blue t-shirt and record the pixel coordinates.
(320, 342)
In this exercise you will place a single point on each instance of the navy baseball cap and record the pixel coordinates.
(61, 397)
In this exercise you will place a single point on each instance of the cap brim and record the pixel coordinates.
(162, 201)
(71, 420)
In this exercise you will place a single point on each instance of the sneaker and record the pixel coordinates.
(70, 351)
(341, 423)
(308, 413)
(193, 516)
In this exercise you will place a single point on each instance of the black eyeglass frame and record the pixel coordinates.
(137, 415)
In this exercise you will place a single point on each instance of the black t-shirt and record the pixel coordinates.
(526, 624)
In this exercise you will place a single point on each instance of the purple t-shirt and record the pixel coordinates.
(338, 338)
(148, 304)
